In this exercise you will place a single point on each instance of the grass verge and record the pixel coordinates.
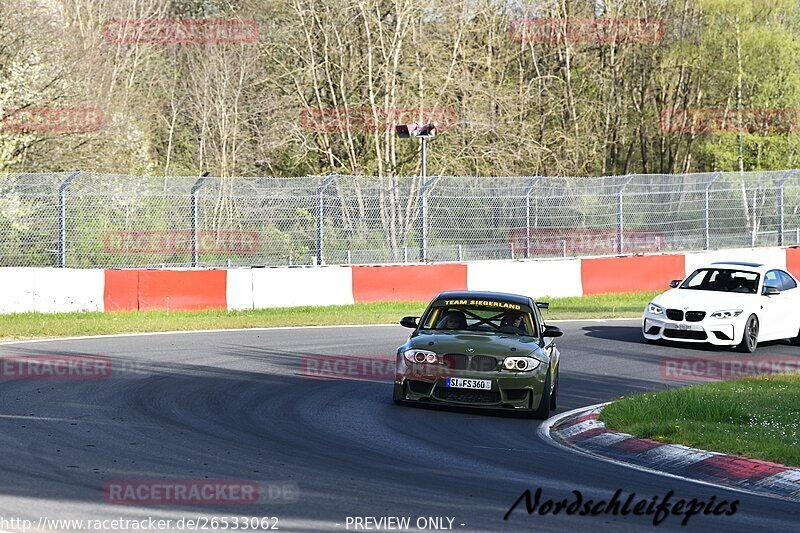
(35, 325)
(754, 417)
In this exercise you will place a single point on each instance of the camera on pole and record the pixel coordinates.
(415, 129)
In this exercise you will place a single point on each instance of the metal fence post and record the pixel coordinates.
(706, 209)
(620, 244)
(423, 217)
(781, 216)
(321, 216)
(62, 219)
(528, 216)
(195, 217)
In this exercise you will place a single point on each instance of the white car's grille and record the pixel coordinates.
(695, 316)
(675, 314)
(691, 316)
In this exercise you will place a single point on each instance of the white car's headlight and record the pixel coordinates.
(727, 313)
(520, 364)
(653, 309)
(420, 356)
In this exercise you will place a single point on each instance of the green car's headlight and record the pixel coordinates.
(520, 364)
(654, 309)
(420, 356)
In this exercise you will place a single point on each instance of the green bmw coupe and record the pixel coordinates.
(480, 349)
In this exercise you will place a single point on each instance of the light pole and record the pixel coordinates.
(418, 131)
(423, 132)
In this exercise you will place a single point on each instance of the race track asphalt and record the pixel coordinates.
(234, 406)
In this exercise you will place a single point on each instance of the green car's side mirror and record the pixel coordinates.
(552, 331)
(409, 322)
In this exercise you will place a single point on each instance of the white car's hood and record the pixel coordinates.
(709, 301)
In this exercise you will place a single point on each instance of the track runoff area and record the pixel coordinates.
(215, 430)
(294, 428)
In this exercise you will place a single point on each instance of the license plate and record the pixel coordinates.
(463, 383)
(684, 326)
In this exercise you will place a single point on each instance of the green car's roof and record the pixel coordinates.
(484, 295)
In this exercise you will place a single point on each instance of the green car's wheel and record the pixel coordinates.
(554, 396)
(750, 336)
(395, 399)
(543, 412)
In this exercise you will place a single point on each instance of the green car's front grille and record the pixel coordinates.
(479, 363)
(467, 395)
(482, 363)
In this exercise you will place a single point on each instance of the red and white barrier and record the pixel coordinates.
(172, 290)
(560, 277)
(292, 287)
(767, 256)
(396, 283)
(52, 290)
(607, 275)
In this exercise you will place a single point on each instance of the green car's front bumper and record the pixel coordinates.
(509, 390)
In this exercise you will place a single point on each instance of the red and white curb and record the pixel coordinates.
(581, 431)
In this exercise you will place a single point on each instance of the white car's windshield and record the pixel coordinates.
(722, 280)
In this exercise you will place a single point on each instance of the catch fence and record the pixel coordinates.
(83, 219)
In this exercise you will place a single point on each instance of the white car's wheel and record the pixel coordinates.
(750, 336)
(795, 340)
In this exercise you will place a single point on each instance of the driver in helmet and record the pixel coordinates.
(513, 320)
(453, 320)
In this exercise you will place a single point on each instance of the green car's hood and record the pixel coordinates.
(494, 344)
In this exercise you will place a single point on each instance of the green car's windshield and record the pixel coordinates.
(479, 318)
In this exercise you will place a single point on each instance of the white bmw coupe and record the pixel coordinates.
(727, 304)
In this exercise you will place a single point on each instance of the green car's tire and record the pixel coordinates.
(750, 336)
(554, 396)
(395, 399)
(543, 412)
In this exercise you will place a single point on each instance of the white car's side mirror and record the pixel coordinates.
(769, 290)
